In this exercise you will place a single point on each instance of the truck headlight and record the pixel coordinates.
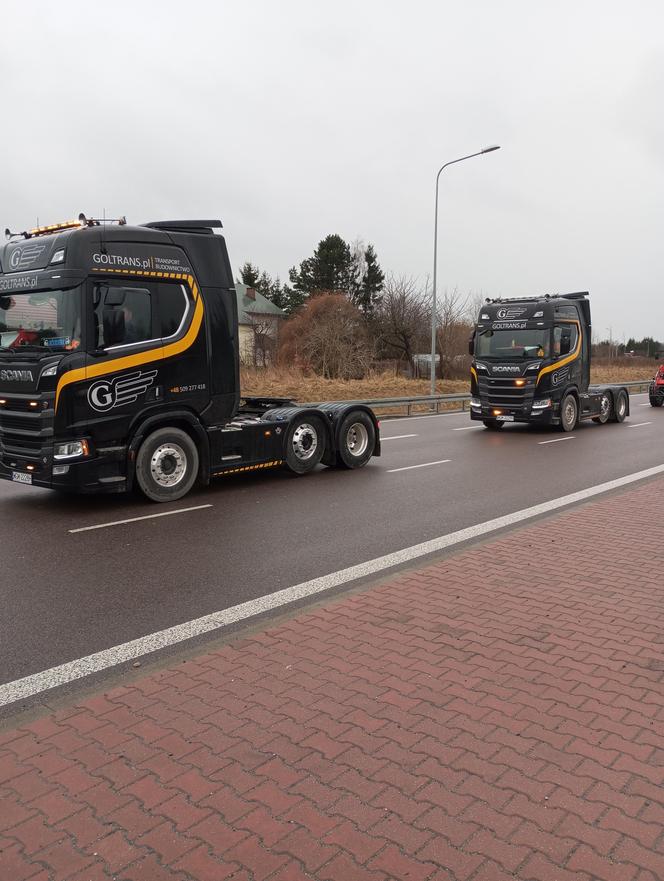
(475, 403)
(542, 404)
(71, 450)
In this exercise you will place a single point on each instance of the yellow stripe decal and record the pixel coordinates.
(157, 354)
(242, 468)
(474, 372)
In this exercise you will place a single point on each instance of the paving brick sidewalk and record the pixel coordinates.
(498, 715)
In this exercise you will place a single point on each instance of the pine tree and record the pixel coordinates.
(327, 270)
(372, 283)
(250, 274)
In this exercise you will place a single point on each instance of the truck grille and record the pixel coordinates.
(504, 393)
(23, 432)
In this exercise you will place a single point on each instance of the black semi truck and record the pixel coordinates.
(531, 363)
(119, 366)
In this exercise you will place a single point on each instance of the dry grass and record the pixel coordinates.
(284, 382)
(623, 369)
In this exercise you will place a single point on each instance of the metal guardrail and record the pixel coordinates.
(435, 401)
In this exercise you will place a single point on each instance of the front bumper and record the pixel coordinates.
(105, 471)
(546, 416)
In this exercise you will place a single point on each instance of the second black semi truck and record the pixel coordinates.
(119, 366)
(531, 363)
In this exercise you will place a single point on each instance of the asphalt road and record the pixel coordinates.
(66, 595)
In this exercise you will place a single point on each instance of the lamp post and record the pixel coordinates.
(435, 262)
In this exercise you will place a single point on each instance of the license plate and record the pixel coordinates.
(21, 477)
(505, 418)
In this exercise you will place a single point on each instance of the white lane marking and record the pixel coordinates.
(20, 689)
(639, 424)
(647, 404)
(136, 519)
(423, 465)
(557, 440)
(398, 437)
(466, 428)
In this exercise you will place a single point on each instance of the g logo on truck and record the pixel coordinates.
(106, 394)
(512, 312)
(21, 258)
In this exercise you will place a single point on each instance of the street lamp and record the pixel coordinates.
(435, 262)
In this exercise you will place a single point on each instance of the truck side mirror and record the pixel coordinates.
(471, 344)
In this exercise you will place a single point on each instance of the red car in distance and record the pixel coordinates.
(656, 389)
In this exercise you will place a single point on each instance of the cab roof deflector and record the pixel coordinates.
(190, 225)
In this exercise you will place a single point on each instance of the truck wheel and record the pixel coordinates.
(569, 413)
(493, 424)
(620, 407)
(305, 444)
(655, 402)
(357, 438)
(605, 409)
(167, 465)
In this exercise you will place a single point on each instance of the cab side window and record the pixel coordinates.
(173, 305)
(565, 337)
(122, 315)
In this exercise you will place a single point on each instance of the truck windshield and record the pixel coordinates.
(50, 320)
(511, 344)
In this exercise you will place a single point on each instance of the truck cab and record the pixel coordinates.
(119, 364)
(531, 364)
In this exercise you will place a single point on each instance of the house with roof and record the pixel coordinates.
(258, 326)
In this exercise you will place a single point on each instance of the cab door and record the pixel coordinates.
(124, 357)
(567, 352)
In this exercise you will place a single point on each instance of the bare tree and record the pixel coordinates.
(457, 314)
(264, 339)
(402, 319)
(329, 336)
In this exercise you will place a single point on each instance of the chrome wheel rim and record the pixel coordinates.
(569, 413)
(605, 407)
(305, 441)
(621, 406)
(357, 439)
(168, 464)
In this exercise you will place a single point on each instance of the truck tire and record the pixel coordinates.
(620, 407)
(167, 465)
(655, 402)
(357, 438)
(605, 409)
(493, 424)
(569, 413)
(305, 444)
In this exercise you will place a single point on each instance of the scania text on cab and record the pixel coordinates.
(531, 363)
(119, 366)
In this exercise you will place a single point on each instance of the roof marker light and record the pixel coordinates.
(53, 227)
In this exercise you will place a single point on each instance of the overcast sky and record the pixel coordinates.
(292, 120)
